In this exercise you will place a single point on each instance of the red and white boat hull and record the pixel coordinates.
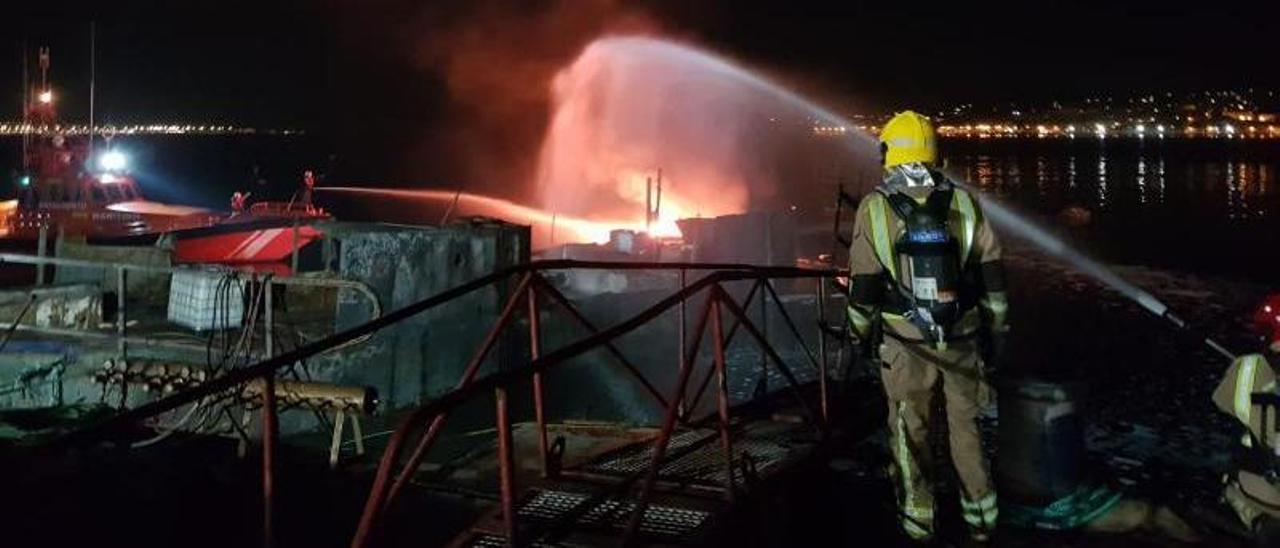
(229, 244)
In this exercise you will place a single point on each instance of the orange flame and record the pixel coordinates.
(620, 114)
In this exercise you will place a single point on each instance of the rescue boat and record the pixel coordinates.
(67, 189)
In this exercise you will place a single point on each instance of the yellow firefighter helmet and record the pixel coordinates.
(908, 138)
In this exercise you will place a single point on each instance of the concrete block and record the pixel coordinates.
(424, 355)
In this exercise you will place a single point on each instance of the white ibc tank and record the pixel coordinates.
(203, 299)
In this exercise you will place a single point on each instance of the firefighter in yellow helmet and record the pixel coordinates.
(927, 297)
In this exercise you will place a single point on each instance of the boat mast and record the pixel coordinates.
(26, 107)
(92, 74)
(45, 93)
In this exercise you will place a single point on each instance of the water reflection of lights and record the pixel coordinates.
(1071, 172)
(1142, 180)
(1235, 200)
(1102, 181)
(1160, 178)
(1042, 176)
(984, 171)
(1139, 129)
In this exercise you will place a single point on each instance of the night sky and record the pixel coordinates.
(390, 74)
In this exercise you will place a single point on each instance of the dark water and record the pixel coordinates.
(1194, 206)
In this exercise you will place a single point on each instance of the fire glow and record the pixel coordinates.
(547, 228)
(627, 107)
(629, 111)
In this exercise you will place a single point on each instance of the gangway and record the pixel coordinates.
(666, 487)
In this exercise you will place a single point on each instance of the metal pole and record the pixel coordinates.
(733, 332)
(668, 427)
(657, 200)
(453, 204)
(327, 250)
(93, 74)
(26, 108)
(648, 203)
(269, 316)
(269, 432)
(822, 347)
(535, 345)
(121, 317)
(722, 392)
(764, 328)
(294, 258)
(468, 374)
(506, 465)
(269, 423)
(42, 249)
(684, 340)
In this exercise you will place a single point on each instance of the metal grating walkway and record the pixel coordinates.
(487, 540)
(663, 521)
(704, 465)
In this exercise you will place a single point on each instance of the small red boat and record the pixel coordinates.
(70, 189)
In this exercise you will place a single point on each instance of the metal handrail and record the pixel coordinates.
(497, 382)
(337, 283)
(332, 283)
(729, 272)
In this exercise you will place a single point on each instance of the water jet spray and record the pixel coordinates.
(744, 89)
(1006, 218)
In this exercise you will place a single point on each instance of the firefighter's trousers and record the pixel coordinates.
(911, 374)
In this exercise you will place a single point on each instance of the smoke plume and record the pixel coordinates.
(497, 59)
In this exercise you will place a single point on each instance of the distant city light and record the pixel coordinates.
(27, 128)
(46, 97)
(109, 178)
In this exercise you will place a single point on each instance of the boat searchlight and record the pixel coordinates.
(113, 161)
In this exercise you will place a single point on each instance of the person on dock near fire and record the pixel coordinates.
(927, 302)
(1248, 393)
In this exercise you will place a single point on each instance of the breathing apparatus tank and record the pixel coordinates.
(929, 263)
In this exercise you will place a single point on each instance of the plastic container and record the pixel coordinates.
(203, 300)
(1041, 450)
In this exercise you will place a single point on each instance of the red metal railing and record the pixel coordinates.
(388, 483)
(428, 419)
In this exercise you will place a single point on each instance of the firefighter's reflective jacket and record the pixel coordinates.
(1248, 393)
(877, 285)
